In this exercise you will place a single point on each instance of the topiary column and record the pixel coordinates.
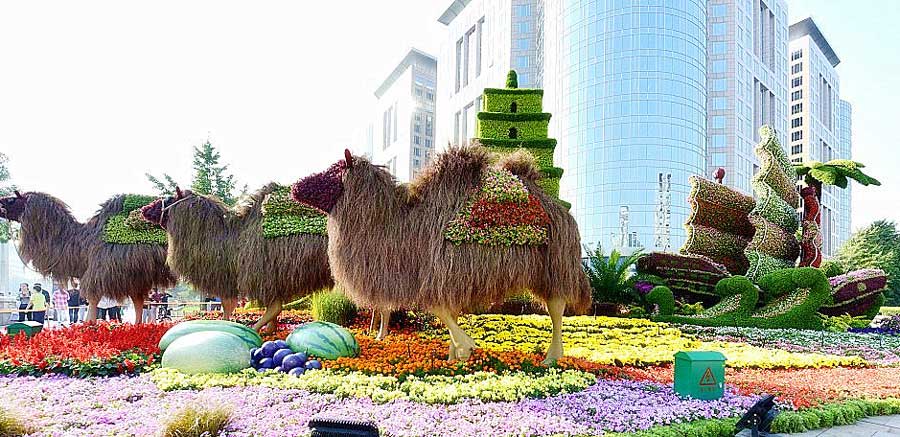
(511, 118)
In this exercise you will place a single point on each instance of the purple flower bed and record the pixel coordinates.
(135, 407)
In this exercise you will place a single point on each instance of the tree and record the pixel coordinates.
(837, 172)
(210, 177)
(6, 230)
(877, 247)
(611, 277)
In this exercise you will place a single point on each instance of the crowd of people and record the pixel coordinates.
(67, 306)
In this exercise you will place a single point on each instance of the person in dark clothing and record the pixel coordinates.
(74, 303)
(24, 299)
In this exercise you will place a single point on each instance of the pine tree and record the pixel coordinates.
(210, 177)
(876, 246)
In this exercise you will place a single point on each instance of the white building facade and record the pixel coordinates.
(747, 80)
(485, 39)
(402, 137)
(817, 118)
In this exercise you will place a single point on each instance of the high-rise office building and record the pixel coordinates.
(747, 83)
(485, 39)
(817, 118)
(845, 131)
(403, 133)
(626, 83)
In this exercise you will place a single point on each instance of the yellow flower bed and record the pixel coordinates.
(634, 342)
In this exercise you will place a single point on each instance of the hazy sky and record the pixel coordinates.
(93, 94)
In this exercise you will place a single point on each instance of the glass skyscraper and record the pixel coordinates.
(626, 82)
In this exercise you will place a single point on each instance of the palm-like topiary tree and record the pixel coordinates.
(837, 172)
(611, 277)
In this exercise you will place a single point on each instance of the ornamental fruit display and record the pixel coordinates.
(207, 352)
(324, 340)
(249, 336)
(277, 356)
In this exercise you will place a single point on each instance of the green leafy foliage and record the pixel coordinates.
(836, 172)
(844, 322)
(876, 246)
(127, 227)
(210, 177)
(198, 421)
(283, 217)
(832, 268)
(526, 100)
(512, 79)
(12, 426)
(5, 190)
(332, 306)
(611, 277)
(525, 130)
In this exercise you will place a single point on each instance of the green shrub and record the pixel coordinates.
(332, 306)
(198, 421)
(526, 102)
(126, 228)
(690, 309)
(844, 322)
(610, 277)
(494, 126)
(662, 297)
(512, 79)
(833, 268)
(12, 426)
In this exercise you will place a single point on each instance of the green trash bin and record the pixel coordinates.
(700, 374)
(29, 328)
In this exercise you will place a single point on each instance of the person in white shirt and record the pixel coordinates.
(105, 308)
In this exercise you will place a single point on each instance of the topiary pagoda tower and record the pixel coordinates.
(511, 118)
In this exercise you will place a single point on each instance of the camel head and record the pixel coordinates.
(322, 190)
(157, 211)
(12, 207)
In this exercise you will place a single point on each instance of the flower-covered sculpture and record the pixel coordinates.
(774, 245)
(387, 245)
(109, 257)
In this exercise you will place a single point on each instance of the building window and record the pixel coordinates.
(417, 152)
(719, 85)
(395, 117)
(427, 142)
(429, 95)
(718, 66)
(522, 44)
(797, 148)
(796, 68)
(718, 47)
(718, 29)
(797, 122)
(796, 54)
(459, 63)
(717, 141)
(513, 133)
(468, 55)
(797, 81)
(417, 140)
(797, 135)
(456, 127)
(478, 38)
(826, 106)
(796, 109)
(764, 34)
(796, 95)
(521, 10)
(720, 10)
(717, 122)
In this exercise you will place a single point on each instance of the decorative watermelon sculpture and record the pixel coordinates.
(324, 340)
(207, 352)
(249, 336)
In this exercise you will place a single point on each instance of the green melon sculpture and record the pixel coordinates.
(512, 118)
(207, 352)
(323, 340)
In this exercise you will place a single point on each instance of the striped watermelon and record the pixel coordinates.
(184, 328)
(324, 340)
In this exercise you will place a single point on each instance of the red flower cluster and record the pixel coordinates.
(83, 349)
(486, 213)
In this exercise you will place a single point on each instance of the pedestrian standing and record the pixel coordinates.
(38, 304)
(104, 308)
(24, 299)
(115, 313)
(61, 305)
(74, 304)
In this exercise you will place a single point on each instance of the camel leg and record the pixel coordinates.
(383, 327)
(228, 306)
(91, 311)
(137, 301)
(271, 314)
(555, 306)
(461, 342)
(272, 327)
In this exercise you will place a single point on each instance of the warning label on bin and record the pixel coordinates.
(708, 380)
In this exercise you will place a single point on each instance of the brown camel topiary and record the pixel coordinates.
(56, 244)
(391, 245)
(222, 250)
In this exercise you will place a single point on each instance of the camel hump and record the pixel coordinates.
(522, 164)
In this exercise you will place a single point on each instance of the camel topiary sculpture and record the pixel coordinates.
(239, 253)
(463, 233)
(106, 256)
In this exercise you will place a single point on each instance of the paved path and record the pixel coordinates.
(881, 426)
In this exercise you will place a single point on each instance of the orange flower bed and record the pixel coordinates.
(404, 354)
(802, 387)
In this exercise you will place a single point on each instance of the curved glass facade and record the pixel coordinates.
(626, 83)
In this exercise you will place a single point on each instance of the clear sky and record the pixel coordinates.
(93, 94)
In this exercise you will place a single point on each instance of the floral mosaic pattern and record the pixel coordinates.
(283, 217)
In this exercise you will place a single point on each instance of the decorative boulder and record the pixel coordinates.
(323, 340)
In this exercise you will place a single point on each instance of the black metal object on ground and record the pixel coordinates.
(759, 417)
(342, 428)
